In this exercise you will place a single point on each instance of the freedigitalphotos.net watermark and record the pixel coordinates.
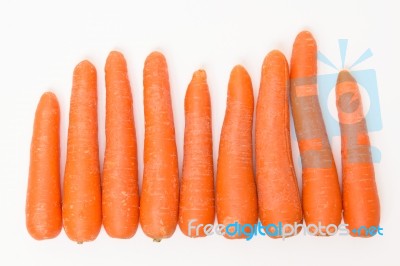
(248, 231)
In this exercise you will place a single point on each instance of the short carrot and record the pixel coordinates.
(159, 202)
(277, 189)
(43, 199)
(236, 196)
(120, 191)
(322, 201)
(82, 192)
(360, 195)
(196, 205)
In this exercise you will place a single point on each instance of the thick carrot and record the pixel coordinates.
(120, 197)
(236, 197)
(278, 192)
(82, 192)
(360, 195)
(159, 200)
(196, 205)
(43, 199)
(321, 192)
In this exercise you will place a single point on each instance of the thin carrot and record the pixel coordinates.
(360, 195)
(43, 199)
(236, 197)
(82, 192)
(120, 198)
(196, 204)
(159, 200)
(278, 192)
(321, 192)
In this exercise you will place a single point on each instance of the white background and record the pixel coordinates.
(42, 41)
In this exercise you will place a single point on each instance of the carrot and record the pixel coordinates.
(82, 192)
(43, 199)
(360, 195)
(159, 200)
(278, 192)
(120, 191)
(321, 192)
(196, 206)
(236, 197)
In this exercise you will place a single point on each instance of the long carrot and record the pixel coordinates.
(360, 195)
(321, 192)
(196, 205)
(236, 197)
(43, 199)
(82, 192)
(120, 197)
(159, 200)
(278, 192)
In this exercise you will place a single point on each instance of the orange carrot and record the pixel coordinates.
(360, 195)
(278, 192)
(321, 192)
(82, 192)
(159, 200)
(236, 197)
(196, 204)
(120, 198)
(43, 199)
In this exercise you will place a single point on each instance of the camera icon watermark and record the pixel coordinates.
(367, 82)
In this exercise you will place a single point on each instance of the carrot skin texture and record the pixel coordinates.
(159, 202)
(277, 189)
(322, 201)
(360, 195)
(43, 200)
(82, 192)
(197, 186)
(120, 190)
(236, 196)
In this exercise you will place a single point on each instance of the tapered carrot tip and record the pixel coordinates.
(84, 67)
(236, 91)
(272, 57)
(305, 36)
(344, 76)
(199, 76)
(156, 57)
(49, 98)
(275, 54)
(114, 56)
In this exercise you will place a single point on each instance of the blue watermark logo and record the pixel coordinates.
(367, 81)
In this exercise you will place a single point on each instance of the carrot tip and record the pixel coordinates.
(305, 34)
(199, 75)
(115, 53)
(344, 76)
(48, 98)
(273, 56)
(156, 55)
(85, 66)
(115, 56)
(305, 37)
(49, 94)
(239, 68)
(275, 53)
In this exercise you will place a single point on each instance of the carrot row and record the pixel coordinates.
(92, 198)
